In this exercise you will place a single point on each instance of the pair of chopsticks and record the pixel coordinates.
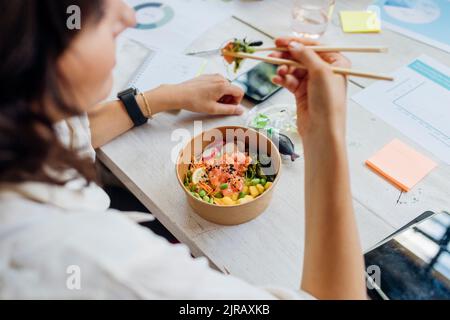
(343, 71)
(315, 48)
(377, 49)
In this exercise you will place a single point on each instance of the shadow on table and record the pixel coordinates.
(123, 200)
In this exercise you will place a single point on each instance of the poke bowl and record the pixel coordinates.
(229, 174)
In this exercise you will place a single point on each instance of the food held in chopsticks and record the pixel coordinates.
(225, 175)
(239, 46)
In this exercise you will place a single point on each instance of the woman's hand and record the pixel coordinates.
(320, 94)
(211, 94)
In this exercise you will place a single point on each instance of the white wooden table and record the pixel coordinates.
(269, 250)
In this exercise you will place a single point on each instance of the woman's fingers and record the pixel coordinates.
(282, 71)
(227, 100)
(311, 60)
(226, 109)
(224, 91)
(280, 55)
(289, 77)
(229, 89)
(284, 41)
(300, 73)
(212, 94)
(291, 83)
(278, 80)
(230, 99)
(336, 59)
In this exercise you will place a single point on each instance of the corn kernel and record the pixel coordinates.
(254, 191)
(268, 185)
(227, 201)
(235, 196)
(260, 188)
(245, 190)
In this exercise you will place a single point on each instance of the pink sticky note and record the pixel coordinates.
(401, 165)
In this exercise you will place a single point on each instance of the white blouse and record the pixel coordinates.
(64, 243)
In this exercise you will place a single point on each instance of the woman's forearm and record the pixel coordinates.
(211, 94)
(109, 120)
(333, 265)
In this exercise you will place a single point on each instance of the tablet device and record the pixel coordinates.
(412, 264)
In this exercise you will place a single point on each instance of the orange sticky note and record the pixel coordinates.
(401, 165)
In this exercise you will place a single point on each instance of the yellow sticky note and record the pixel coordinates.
(360, 21)
(401, 165)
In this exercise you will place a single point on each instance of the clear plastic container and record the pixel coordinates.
(279, 117)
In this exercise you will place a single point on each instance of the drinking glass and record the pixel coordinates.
(310, 17)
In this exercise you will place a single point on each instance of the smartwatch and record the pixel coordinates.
(128, 98)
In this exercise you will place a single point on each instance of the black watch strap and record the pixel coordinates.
(128, 98)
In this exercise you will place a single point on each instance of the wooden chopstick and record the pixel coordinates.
(331, 49)
(277, 61)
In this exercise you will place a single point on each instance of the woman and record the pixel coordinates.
(58, 239)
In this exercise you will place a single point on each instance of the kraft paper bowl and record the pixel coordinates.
(235, 214)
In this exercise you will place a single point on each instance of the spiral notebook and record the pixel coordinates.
(162, 68)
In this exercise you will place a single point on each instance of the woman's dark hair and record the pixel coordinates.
(33, 36)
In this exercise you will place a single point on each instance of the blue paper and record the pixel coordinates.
(424, 20)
